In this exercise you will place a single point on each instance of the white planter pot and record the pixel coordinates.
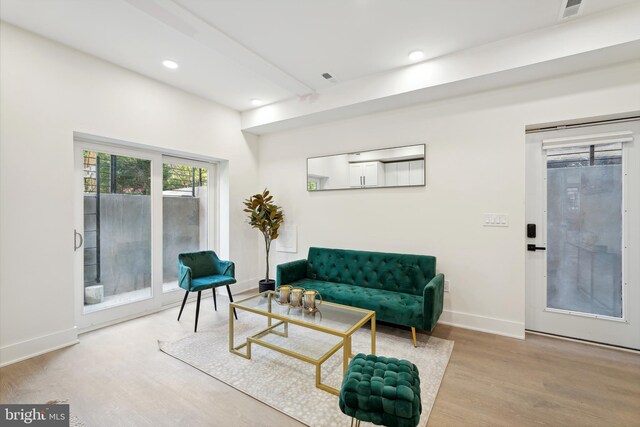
(94, 294)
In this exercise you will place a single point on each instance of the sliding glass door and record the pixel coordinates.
(135, 212)
(116, 202)
(185, 214)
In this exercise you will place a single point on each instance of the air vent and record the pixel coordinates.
(571, 8)
(329, 77)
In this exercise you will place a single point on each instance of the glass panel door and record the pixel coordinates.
(135, 211)
(582, 234)
(584, 229)
(185, 214)
(117, 229)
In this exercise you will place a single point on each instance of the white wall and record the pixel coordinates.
(47, 92)
(475, 164)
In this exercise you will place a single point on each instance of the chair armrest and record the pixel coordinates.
(184, 276)
(291, 272)
(433, 301)
(227, 268)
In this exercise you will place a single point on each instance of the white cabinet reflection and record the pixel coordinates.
(390, 167)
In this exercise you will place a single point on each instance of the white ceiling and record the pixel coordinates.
(352, 39)
(231, 51)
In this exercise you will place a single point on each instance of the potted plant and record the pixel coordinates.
(267, 217)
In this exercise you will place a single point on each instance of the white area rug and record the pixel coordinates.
(288, 384)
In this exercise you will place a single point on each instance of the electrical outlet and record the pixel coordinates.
(447, 286)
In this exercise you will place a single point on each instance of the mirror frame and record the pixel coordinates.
(424, 171)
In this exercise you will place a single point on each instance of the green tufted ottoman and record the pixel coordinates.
(382, 390)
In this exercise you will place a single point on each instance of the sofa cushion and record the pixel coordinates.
(404, 273)
(395, 307)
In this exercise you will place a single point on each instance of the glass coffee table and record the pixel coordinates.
(335, 322)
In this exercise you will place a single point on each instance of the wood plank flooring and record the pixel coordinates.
(117, 376)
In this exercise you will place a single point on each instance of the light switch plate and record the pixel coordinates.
(447, 286)
(495, 220)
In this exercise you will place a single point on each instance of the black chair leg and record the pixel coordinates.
(195, 329)
(215, 303)
(231, 299)
(184, 301)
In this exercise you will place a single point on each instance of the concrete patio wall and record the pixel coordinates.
(181, 219)
(125, 238)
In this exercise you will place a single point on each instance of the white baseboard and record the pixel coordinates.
(27, 349)
(236, 288)
(507, 328)
(23, 350)
(240, 287)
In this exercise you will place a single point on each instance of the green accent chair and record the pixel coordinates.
(381, 390)
(402, 289)
(199, 271)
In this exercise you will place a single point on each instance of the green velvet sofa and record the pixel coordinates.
(402, 289)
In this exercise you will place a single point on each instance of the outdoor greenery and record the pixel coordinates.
(180, 176)
(266, 217)
(133, 176)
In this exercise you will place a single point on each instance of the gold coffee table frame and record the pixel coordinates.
(284, 321)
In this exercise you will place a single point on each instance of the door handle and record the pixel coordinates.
(77, 246)
(534, 248)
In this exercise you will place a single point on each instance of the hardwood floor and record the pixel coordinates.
(499, 381)
(117, 376)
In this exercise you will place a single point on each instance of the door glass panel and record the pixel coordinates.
(117, 230)
(185, 194)
(584, 229)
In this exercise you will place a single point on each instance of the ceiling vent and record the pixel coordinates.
(572, 8)
(329, 77)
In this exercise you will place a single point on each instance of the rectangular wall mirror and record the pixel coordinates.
(389, 167)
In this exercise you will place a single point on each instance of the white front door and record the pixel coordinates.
(583, 206)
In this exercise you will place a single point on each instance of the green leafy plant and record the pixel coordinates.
(266, 217)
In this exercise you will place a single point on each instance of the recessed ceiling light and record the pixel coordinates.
(172, 65)
(416, 55)
(256, 101)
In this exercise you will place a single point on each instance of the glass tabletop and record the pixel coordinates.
(330, 316)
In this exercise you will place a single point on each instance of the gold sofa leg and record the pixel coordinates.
(413, 332)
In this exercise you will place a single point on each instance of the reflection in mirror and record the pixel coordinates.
(390, 167)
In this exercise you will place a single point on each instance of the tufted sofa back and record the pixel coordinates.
(377, 270)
